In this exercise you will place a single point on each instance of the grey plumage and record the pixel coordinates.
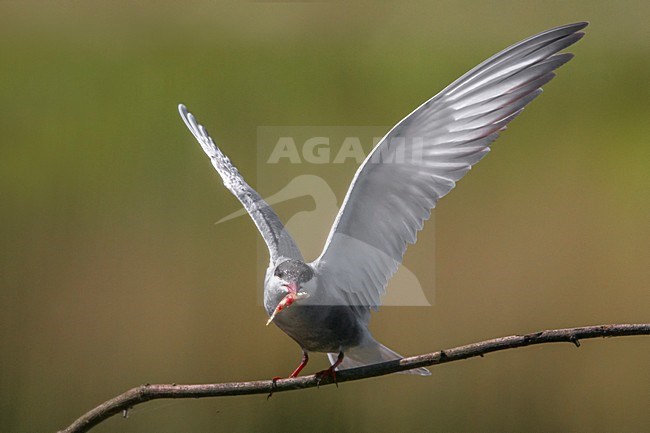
(389, 198)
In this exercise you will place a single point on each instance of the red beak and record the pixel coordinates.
(288, 300)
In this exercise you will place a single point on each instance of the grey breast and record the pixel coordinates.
(324, 328)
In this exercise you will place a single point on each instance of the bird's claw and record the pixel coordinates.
(273, 386)
(331, 372)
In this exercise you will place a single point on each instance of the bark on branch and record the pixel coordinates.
(143, 393)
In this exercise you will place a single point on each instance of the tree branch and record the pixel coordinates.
(141, 394)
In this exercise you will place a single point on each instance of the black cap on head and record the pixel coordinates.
(294, 270)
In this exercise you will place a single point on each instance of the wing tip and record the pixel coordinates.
(187, 117)
(199, 131)
(573, 27)
(579, 25)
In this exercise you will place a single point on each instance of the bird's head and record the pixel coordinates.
(290, 278)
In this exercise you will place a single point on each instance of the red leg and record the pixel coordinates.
(305, 360)
(338, 362)
(296, 372)
(332, 370)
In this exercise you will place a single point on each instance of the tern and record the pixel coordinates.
(325, 305)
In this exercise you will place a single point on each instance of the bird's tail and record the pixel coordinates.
(371, 353)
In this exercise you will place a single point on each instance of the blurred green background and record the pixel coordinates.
(113, 273)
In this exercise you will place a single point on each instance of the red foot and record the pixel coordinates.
(331, 372)
(273, 385)
(296, 372)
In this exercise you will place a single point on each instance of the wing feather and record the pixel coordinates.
(278, 240)
(422, 157)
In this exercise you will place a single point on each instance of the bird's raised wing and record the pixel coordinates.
(423, 156)
(277, 239)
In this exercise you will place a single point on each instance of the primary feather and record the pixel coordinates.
(278, 240)
(422, 157)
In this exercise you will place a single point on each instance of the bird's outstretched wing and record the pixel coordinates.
(423, 156)
(277, 239)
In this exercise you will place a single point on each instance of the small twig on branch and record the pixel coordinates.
(141, 394)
